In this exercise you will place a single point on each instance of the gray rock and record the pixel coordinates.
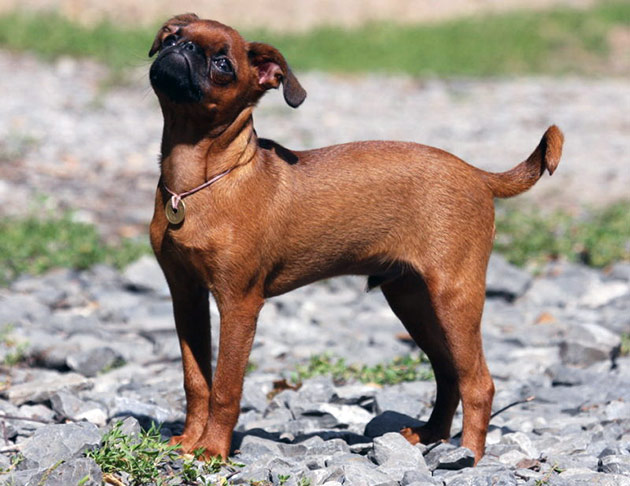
(400, 400)
(617, 410)
(545, 293)
(44, 385)
(122, 406)
(254, 396)
(615, 464)
(389, 422)
(579, 477)
(27, 477)
(513, 457)
(613, 450)
(38, 412)
(68, 406)
(82, 471)
(52, 352)
(454, 460)
(282, 472)
(341, 458)
(602, 293)
(17, 308)
(395, 456)
(345, 415)
(354, 394)
(94, 361)
(9, 431)
(252, 447)
(586, 344)
(523, 442)
(313, 391)
(308, 425)
(577, 460)
(145, 275)
(481, 476)
(252, 475)
(54, 443)
(562, 375)
(314, 477)
(11, 427)
(418, 478)
(359, 473)
(318, 446)
(130, 427)
(504, 279)
(435, 452)
(620, 271)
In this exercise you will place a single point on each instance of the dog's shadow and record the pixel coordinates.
(351, 438)
(386, 422)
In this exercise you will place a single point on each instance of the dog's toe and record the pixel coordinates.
(411, 435)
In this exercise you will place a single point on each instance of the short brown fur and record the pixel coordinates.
(417, 220)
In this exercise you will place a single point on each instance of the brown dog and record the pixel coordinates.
(418, 221)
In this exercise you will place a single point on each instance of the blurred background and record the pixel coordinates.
(80, 127)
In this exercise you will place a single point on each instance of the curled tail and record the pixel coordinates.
(519, 179)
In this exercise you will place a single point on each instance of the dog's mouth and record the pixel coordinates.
(175, 73)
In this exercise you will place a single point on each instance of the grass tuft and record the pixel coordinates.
(148, 459)
(32, 245)
(12, 349)
(51, 35)
(401, 369)
(598, 237)
(140, 456)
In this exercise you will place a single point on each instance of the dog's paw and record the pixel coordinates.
(423, 434)
(411, 435)
(185, 443)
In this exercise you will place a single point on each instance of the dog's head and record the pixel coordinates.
(208, 65)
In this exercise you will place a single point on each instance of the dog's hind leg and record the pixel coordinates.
(443, 317)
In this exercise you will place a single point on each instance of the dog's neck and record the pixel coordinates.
(192, 153)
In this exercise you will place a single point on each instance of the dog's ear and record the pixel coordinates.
(272, 70)
(170, 27)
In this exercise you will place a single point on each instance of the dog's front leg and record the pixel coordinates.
(238, 327)
(192, 319)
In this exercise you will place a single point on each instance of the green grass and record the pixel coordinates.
(148, 459)
(597, 237)
(15, 461)
(625, 344)
(406, 368)
(51, 35)
(34, 244)
(554, 41)
(13, 348)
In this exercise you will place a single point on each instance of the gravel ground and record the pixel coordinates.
(100, 346)
(555, 337)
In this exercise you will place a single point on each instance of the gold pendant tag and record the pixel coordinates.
(175, 216)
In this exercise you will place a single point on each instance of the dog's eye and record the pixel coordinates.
(169, 41)
(223, 64)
